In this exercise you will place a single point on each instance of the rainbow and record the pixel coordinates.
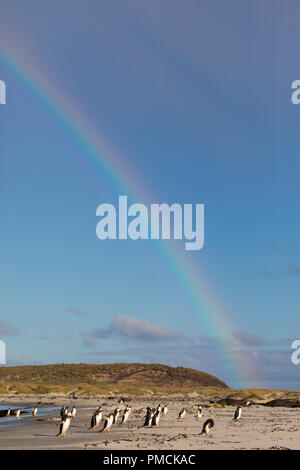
(105, 158)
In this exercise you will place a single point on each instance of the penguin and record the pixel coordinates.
(73, 412)
(108, 422)
(199, 412)
(237, 414)
(126, 414)
(63, 412)
(158, 408)
(34, 411)
(93, 421)
(64, 426)
(182, 414)
(164, 410)
(155, 419)
(8, 412)
(209, 423)
(117, 413)
(18, 412)
(148, 416)
(96, 418)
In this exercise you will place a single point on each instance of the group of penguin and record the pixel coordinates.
(152, 418)
(66, 415)
(17, 412)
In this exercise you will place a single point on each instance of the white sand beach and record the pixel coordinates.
(259, 427)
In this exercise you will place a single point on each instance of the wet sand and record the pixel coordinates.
(258, 428)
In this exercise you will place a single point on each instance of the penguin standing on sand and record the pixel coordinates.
(237, 414)
(64, 426)
(158, 408)
(18, 412)
(148, 417)
(73, 412)
(96, 419)
(93, 421)
(156, 418)
(182, 414)
(199, 412)
(209, 423)
(126, 414)
(8, 412)
(34, 411)
(117, 413)
(108, 422)
(63, 412)
(164, 410)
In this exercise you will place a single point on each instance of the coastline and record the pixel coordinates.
(259, 427)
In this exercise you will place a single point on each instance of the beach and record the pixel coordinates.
(259, 427)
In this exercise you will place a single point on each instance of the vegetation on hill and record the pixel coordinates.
(98, 379)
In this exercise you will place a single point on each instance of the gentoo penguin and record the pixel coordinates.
(148, 417)
(117, 413)
(164, 410)
(126, 414)
(209, 423)
(156, 418)
(158, 408)
(73, 412)
(182, 414)
(8, 412)
(64, 426)
(18, 412)
(199, 412)
(238, 413)
(96, 418)
(108, 422)
(63, 412)
(93, 421)
(34, 411)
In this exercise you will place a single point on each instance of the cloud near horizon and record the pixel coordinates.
(131, 328)
(7, 329)
(247, 339)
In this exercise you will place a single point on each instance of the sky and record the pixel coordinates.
(186, 102)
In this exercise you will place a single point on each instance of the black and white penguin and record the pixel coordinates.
(158, 408)
(73, 412)
(155, 418)
(199, 412)
(148, 417)
(164, 410)
(126, 414)
(238, 413)
(34, 411)
(182, 414)
(18, 412)
(64, 426)
(8, 412)
(63, 412)
(96, 418)
(117, 413)
(209, 423)
(108, 421)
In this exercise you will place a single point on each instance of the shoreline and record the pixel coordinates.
(260, 427)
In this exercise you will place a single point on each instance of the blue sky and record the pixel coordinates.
(196, 97)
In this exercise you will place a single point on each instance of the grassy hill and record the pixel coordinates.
(97, 379)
